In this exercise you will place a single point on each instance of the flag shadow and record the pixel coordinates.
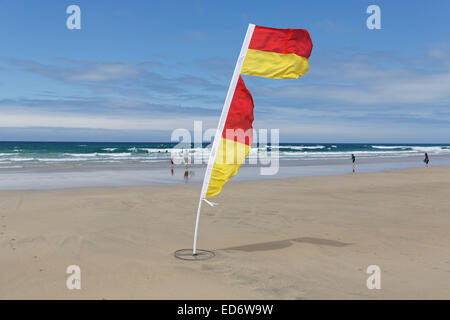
(275, 245)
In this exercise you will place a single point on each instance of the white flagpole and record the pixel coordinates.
(223, 117)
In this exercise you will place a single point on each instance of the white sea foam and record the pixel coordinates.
(81, 154)
(123, 154)
(390, 147)
(418, 149)
(62, 159)
(298, 147)
(306, 147)
(431, 149)
(99, 154)
(21, 159)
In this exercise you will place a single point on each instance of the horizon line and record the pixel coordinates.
(315, 142)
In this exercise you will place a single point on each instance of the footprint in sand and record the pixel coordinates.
(11, 243)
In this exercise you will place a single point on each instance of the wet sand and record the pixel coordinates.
(124, 175)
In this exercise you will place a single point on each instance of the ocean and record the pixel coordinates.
(51, 154)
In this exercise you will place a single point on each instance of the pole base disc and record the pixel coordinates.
(188, 254)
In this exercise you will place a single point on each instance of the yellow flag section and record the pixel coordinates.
(236, 140)
(278, 53)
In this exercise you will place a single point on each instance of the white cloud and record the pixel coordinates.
(356, 83)
(83, 71)
(103, 72)
(48, 119)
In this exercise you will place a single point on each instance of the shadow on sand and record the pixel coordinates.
(275, 245)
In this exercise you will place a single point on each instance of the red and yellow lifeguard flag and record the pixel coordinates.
(271, 53)
(236, 140)
(278, 53)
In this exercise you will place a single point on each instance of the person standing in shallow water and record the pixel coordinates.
(186, 159)
(353, 162)
(426, 160)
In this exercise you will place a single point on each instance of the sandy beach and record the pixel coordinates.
(292, 238)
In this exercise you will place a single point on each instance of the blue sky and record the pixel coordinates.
(139, 69)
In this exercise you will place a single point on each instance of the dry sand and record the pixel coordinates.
(297, 238)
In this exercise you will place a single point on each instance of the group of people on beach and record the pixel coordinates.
(426, 161)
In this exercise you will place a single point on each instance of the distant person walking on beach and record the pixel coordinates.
(353, 162)
(186, 159)
(172, 163)
(426, 160)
